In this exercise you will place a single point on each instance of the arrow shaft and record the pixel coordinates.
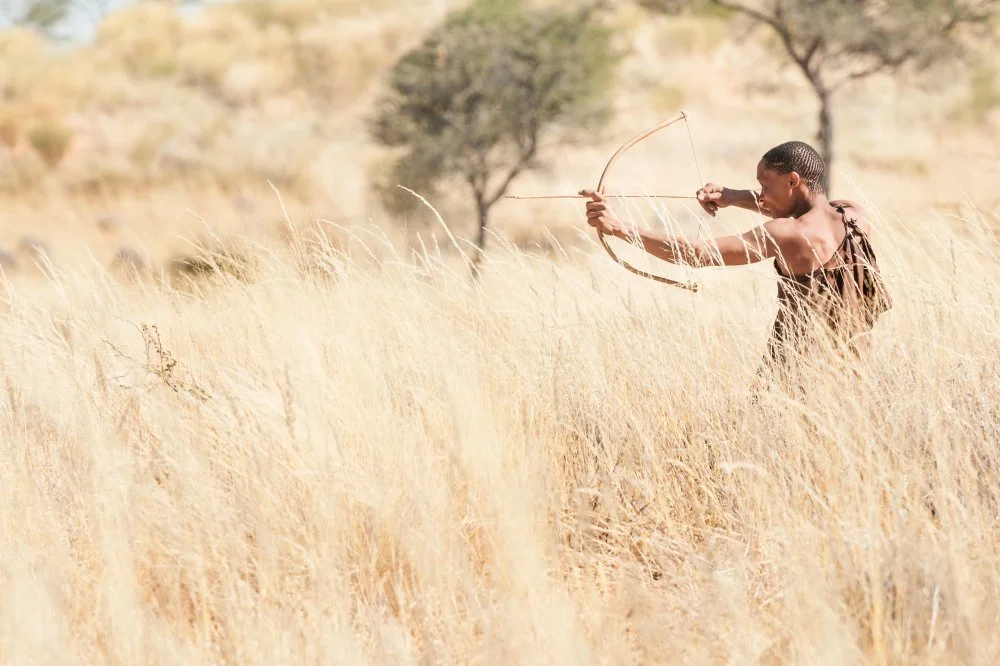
(609, 196)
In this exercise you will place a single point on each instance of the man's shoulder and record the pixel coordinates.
(856, 213)
(776, 234)
(792, 235)
(781, 226)
(852, 208)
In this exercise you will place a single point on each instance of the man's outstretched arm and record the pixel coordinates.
(736, 250)
(755, 245)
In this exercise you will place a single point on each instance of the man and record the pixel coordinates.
(828, 274)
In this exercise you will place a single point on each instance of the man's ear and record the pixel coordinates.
(794, 179)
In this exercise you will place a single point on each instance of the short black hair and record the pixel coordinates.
(798, 157)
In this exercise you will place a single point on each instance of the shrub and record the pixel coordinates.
(984, 92)
(144, 38)
(51, 141)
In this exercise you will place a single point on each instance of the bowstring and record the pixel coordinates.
(697, 168)
(701, 181)
(694, 153)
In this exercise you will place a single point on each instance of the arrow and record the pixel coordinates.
(607, 196)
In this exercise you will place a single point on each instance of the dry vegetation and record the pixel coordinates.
(336, 459)
(318, 442)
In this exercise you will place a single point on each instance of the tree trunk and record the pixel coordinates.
(484, 215)
(825, 135)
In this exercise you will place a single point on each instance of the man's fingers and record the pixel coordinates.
(709, 197)
(592, 194)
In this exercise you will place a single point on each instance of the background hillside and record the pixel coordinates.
(169, 121)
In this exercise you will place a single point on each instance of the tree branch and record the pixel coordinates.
(863, 73)
(522, 163)
(477, 190)
(884, 63)
(811, 51)
(747, 11)
(810, 73)
(803, 60)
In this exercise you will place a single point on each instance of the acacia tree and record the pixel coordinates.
(41, 14)
(486, 90)
(833, 42)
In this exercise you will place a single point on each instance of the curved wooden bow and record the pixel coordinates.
(600, 189)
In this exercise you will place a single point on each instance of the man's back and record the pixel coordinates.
(830, 271)
(811, 241)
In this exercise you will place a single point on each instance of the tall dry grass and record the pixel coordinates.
(326, 446)
(353, 455)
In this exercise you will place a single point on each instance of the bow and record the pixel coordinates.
(601, 186)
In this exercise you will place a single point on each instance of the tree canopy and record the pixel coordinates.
(833, 42)
(487, 90)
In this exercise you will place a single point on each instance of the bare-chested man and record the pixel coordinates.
(826, 265)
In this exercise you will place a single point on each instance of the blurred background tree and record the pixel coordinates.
(41, 14)
(64, 18)
(833, 42)
(489, 90)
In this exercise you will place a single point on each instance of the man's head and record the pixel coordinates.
(787, 174)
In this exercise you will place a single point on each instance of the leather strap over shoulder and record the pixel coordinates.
(850, 223)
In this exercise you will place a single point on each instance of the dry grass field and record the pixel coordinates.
(321, 443)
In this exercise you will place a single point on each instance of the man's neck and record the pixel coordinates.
(808, 203)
